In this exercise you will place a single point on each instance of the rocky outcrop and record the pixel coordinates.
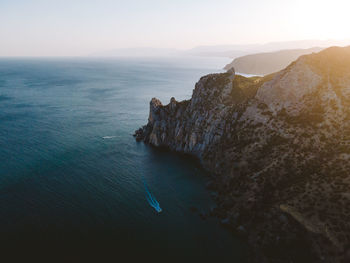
(278, 149)
(190, 126)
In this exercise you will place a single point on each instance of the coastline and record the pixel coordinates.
(253, 136)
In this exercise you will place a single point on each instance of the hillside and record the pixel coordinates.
(267, 63)
(278, 149)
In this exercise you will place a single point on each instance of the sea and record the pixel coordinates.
(74, 183)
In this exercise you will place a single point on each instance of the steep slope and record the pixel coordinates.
(278, 148)
(267, 63)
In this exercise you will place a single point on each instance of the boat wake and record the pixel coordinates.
(108, 137)
(151, 199)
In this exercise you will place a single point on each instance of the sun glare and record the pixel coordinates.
(322, 19)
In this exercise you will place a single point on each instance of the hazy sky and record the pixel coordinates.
(80, 27)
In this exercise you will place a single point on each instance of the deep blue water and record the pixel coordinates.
(71, 174)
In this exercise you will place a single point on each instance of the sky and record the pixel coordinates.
(82, 27)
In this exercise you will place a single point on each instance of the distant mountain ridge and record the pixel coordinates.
(231, 51)
(137, 52)
(267, 63)
(234, 51)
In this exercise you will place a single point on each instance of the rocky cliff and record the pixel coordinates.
(278, 149)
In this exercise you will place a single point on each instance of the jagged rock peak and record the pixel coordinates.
(232, 73)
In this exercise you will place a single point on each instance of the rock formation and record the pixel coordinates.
(278, 149)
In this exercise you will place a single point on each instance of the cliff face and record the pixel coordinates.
(278, 148)
(192, 126)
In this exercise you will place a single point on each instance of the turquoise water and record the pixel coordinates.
(71, 174)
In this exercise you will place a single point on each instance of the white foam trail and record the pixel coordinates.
(151, 199)
(108, 137)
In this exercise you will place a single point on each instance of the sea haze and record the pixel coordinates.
(72, 177)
